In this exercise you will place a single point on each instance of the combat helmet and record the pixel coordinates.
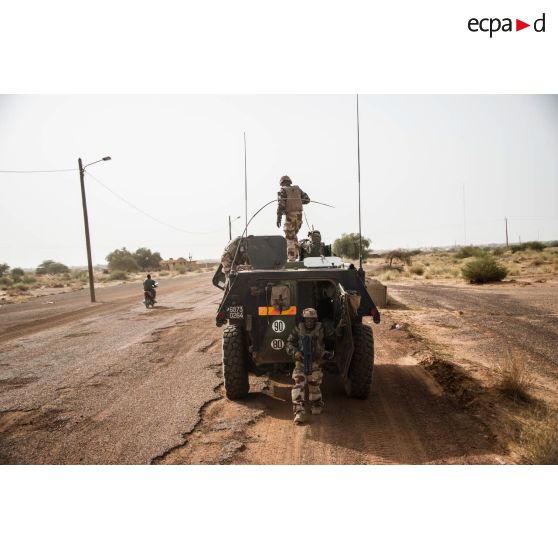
(310, 313)
(285, 180)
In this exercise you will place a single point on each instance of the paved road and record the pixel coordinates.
(110, 382)
(116, 383)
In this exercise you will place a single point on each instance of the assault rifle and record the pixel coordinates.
(306, 346)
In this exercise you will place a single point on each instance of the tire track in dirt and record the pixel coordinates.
(407, 419)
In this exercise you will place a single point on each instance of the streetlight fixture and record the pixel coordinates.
(230, 222)
(86, 222)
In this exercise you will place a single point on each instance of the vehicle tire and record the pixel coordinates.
(234, 363)
(359, 379)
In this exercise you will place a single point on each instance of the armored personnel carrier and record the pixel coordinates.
(263, 301)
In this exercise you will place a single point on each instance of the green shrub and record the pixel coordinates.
(17, 273)
(469, 252)
(181, 269)
(6, 281)
(417, 269)
(532, 245)
(29, 280)
(50, 267)
(163, 273)
(498, 251)
(118, 276)
(4, 269)
(20, 287)
(535, 245)
(81, 275)
(485, 269)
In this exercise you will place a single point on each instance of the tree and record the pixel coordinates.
(4, 269)
(122, 260)
(348, 246)
(50, 267)
(404, 256)
(146, 259)
(17, 273)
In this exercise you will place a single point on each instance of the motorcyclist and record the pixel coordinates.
(149, 287)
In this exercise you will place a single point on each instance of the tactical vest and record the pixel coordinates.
(314, 333)
(293, 200)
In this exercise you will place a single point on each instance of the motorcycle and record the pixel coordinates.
(149, 297)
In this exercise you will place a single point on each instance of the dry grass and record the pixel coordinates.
(515, 379)
(444, 264)
(539, 439)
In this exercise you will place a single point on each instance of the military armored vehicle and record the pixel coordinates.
(263, 301)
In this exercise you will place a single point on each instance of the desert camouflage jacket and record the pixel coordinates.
(293, 342)
(283, 205)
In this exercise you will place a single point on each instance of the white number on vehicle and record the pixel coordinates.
(277, 344)
(278, 326)
(235, 312)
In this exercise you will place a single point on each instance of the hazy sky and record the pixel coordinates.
(180, 159)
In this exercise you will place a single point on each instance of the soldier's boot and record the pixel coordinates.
(299, 416)
(317, 407)
(297, 395)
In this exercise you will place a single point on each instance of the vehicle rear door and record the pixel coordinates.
(344, 344)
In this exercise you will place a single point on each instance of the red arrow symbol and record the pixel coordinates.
(519, 25)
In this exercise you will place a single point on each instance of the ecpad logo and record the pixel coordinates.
(493, 25)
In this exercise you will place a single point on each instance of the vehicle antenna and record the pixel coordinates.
(307, 223)
(359, 214)
(245, 190)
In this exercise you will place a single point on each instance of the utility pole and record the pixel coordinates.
(507, 243)
(86, 224)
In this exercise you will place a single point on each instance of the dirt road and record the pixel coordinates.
(478, 325)
(115, 383)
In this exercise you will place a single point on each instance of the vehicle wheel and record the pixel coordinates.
(234, 363)
(359, 381)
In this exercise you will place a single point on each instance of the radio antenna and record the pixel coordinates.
(359, 213)
(245, 190)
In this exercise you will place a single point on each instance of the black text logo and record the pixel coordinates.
(493, 25)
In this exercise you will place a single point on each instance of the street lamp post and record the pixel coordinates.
(230, 228)
(86, 223)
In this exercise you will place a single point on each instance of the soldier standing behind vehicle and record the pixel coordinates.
(306, 345)
(290, 200)
(234, 254)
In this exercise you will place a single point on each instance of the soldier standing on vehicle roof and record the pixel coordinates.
(290, 200)
(307, 363)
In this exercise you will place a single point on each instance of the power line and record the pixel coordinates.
(145, 212)
(36, 171)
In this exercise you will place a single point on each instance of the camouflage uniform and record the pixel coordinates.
(290, 200)
(228, 257)
(312, 246)
(315, 377)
